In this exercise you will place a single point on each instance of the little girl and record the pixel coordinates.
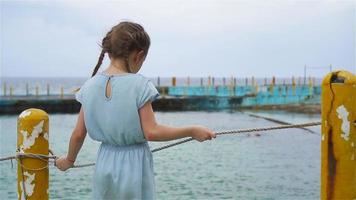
(116, 110)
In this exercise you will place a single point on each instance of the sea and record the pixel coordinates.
(278, 164)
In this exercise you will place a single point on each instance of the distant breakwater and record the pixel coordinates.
(295, 98)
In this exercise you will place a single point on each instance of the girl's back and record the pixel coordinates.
(114, 119)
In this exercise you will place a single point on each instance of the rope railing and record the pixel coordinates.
(46, 158)
(337, 140)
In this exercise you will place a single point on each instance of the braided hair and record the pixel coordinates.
(121, 40)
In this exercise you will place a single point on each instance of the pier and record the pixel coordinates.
(301, 98)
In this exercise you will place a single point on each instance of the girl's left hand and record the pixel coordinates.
(63, 163)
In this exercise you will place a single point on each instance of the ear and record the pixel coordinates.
(140, 55)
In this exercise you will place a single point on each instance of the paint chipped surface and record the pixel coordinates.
(29, 140)
(25, 113)
(28, 184)
(45, 136)
(345, 126)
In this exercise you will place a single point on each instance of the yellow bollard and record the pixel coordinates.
(311, 88)
(338, 140)
(293, 85)
(310, 81)
(174, 81)
(32, 137)
(273, 81)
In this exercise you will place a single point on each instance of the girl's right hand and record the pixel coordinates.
(63, 163)
(202, 133)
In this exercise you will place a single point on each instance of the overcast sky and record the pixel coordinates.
(196, 38)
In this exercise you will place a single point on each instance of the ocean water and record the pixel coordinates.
(279, 164)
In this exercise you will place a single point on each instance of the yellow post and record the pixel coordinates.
(174, 81)
(311, 88)
(273, 81)
(32, 137)
(338, 145)
(310, 81)
(293, 85)
(293, 81)
(271, 87)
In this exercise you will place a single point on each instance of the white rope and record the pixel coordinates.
(46, 157)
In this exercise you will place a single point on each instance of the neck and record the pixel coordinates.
(116, 66)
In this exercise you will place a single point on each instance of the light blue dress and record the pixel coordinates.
(124, 165)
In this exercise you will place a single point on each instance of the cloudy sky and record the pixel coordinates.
(196, 38)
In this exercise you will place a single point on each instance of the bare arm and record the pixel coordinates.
(77, 138)
(75, 143)
(158, 132)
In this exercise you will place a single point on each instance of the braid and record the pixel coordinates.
(127, 64)
(120, 41)
(101, 58)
